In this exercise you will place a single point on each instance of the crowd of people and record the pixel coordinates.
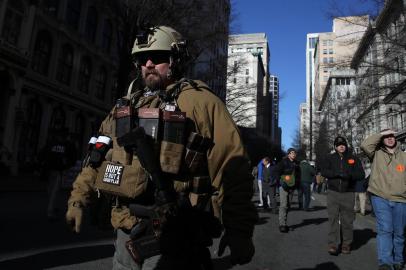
(348, 184)
(162, 197)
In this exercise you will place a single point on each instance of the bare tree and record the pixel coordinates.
(299, 147)
(380, 65)
(241, 97)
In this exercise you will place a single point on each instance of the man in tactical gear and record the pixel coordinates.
(166, 189)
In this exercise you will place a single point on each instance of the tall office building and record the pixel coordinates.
(274, 96)
(208, 40)
(248, 71)
(324, 53)
(307, 107)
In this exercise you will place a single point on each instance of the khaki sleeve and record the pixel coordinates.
(83, 185)
(229, 168)
(370, 144)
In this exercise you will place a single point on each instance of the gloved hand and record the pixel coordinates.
(74, 216)
(241, 247)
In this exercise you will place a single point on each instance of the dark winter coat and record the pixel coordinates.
(269, 176)
(342, 172)
(284, 167)
(307, 172)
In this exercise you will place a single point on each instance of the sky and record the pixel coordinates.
(286, 23)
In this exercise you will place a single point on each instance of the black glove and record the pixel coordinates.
(241, 247)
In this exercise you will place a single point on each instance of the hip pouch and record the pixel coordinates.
(196, 152)
(126, 181)
(172, 141)
(288, 179)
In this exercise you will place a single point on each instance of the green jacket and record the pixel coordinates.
(388, 176)
(307, 172)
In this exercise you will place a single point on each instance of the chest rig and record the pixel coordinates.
(180, 152)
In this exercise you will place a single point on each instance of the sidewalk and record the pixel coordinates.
(23, 183)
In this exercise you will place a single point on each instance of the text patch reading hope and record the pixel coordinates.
(113, 174)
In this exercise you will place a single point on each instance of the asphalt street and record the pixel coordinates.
(29, 241)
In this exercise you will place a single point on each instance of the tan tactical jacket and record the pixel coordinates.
(388, 176)
(227, 161)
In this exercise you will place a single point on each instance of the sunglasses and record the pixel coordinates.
(155, 57)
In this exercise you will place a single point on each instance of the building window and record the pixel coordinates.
(330, 51)
(79, 129)
(249, 49)
(51, 7)
(260, 50)
(91, 23)
(73, 13)
(330, 42)
(85, 74)
(107, 35)
(325, 60)
(348, 94)
(312, 42)
(247, 71)
(65, 66)
(235, 64)
(343, 81)
(100, 83)
(331, 60)
(42, 53)
(324, 42)
(12, 21)
(29, 137)
(324, 51)
(247, 80)
(58, 119)
(234, 80)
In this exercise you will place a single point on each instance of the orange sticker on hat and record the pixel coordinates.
(287, 177)
(351, 161)
(400, 168)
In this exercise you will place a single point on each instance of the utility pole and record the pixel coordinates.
(311, 124)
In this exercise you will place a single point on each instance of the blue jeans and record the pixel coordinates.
(390, 225)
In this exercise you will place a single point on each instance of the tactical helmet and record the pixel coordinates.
(158, 38)
(163, 39)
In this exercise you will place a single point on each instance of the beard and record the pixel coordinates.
(153, 80)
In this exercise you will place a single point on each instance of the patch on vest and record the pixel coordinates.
(113, 174)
